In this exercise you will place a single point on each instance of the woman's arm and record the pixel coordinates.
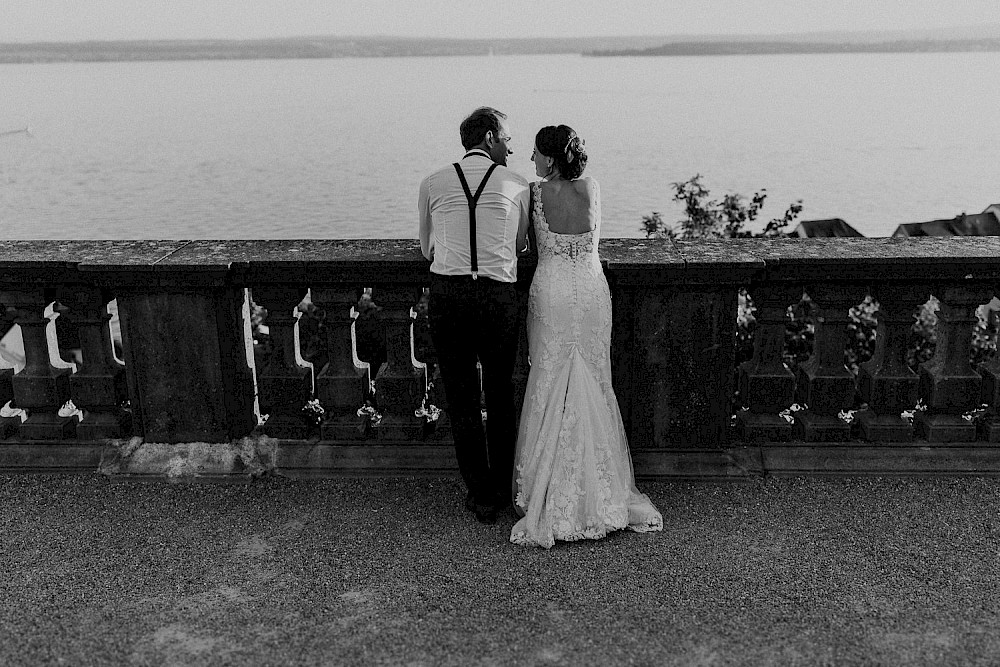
(526, 230)
(588, 190)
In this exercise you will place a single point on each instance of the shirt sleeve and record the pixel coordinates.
(426, 233)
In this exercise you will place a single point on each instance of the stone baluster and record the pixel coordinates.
(441, 431)
(284, 380)
(342, 385)
(887, 384)
(948, 383)
(989, 427)
(401, 381)
(40, 387)
(825, 384)
(8, 425)
(766, 386)
(98, 387)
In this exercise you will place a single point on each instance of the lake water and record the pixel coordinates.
(337, 148)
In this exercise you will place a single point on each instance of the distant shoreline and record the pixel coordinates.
(388, 47)
(804, 48)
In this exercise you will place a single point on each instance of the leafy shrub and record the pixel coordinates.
(706, 218)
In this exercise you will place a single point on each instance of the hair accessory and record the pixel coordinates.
(575, 143)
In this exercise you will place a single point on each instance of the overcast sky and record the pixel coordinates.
(72, 20)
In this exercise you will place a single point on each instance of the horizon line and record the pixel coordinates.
(687, 35)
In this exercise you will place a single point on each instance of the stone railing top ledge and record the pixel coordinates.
(289, 253)
(302, 261)
(133, 255)
(61, 262)
(925, 258)
(628, 261)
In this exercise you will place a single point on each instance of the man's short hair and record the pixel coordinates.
(474, 128)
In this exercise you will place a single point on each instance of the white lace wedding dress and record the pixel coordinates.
(574, 476)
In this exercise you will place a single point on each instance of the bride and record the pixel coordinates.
(573, 476)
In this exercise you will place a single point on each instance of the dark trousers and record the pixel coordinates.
(470, 320)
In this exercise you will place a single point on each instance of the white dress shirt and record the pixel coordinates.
(502, 211)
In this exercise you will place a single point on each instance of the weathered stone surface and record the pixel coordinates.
(305, 262)
(98, 386)
(125, 263)
(825, 391)
(682, 367)
(950, 394)
(810, 426)
(51, 456)
(988, 430)
(762, 427)
(641, 262)
(825, 383)
(343, 384)
(400, 384)
(886, 382)
(100, 426)
(9, 426)
(655, 284)
(948, 383)
(886, 393)
(284, 380)
(625, 359)
(907, 458)
(766, 385)
(187, 364)
(943, 427)
(48, 426)
(351, 260)
(719, 261)
(55, 263)
(651, 253)
(247, 457)
(990, 373)
(877, 427)
(766, 389)
(878, 259)
(40, 387)
(301, 460)
(305, 459)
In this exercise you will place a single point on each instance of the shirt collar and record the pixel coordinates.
(477, 151)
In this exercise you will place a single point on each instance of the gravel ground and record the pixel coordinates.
(395, 571)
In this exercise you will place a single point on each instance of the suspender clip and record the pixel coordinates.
(475, 275)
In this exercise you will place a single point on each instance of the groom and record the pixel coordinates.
(473, 219)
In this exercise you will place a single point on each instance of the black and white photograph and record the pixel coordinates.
(371, 332)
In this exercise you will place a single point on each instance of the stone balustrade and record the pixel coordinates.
(189, 370)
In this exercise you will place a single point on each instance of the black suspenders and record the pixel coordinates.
(473, 199)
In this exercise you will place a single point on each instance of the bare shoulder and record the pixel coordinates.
(586, 187)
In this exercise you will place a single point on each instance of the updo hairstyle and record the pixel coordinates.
(563, 145)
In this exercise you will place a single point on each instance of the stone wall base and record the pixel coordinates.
(251, 457)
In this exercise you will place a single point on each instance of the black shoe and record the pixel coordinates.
(502, 502)
(484, 513)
